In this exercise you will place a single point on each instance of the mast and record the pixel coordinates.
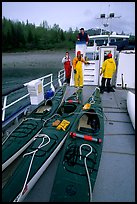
(108, 17)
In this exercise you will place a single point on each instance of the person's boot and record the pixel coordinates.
(101, 90)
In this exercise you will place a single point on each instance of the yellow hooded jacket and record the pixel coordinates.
(77, 65)
(108, 68)
(75, 60)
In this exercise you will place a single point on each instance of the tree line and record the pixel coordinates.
(20, 36)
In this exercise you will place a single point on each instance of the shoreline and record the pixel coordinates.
(34, 59)
(37, 51)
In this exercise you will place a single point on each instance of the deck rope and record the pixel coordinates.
(44, 136)
(85, 162)
(45, 121)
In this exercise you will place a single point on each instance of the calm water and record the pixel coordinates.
(19, 68)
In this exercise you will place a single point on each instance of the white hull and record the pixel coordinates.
(131, 106)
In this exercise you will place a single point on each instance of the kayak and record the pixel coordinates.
(23, 135)
(79, 164)
(42, 150)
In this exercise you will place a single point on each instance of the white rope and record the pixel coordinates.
(44, 136)
(85, 162)
(56, 114)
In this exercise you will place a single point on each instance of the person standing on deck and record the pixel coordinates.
(67, 66)
(78, 71)
(83, 36)
(108, 69)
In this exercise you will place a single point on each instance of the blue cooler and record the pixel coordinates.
(49, 94)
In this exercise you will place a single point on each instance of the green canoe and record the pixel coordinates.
(77, 170)
(24, 134)
(42, 150)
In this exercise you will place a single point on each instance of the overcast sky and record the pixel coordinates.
(73, 14)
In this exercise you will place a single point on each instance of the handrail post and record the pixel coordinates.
(51, 86)
(59, 81)
(4, 105)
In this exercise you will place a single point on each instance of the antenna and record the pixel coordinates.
(107, 18)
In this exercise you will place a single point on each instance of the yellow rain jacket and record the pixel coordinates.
(77, 65)
(108, 68)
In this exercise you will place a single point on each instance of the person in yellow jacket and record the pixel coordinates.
(108, 70)
(78, 72)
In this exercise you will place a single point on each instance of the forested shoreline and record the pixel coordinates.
(19, 36)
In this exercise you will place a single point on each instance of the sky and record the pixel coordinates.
(74, 14)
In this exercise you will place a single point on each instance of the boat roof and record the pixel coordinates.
(100, 37)
(116, 176)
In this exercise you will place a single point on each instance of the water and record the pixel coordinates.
(19, 68)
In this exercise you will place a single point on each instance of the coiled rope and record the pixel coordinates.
(85, 162)
(44, 136)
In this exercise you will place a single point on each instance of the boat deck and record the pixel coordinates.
(116, 176)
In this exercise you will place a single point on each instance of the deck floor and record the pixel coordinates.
(116, 176)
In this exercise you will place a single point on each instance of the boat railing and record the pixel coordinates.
(46, 80)
(61, 76)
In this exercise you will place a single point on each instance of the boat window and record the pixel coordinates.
(91, 42)
(89, 56)
(99, 42)
(92, 56)
(112, 40)
(119, 39)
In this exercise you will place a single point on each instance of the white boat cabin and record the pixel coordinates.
(97, 54)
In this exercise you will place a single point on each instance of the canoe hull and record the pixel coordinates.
(25, 133)
(32, 166)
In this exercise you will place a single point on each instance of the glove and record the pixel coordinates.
(88, 63)
(75, 71)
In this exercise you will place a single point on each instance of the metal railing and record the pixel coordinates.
(61, 76)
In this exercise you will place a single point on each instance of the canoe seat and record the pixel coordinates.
(89, 122)
(67, 108)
